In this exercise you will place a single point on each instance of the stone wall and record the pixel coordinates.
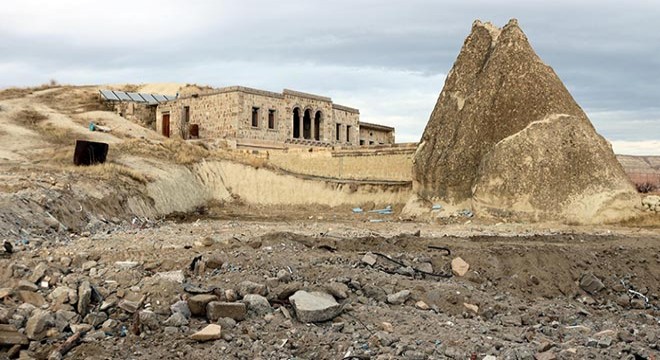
(375, 135)
(216, 114)
(142, 114)
(345, 121)
(378, 164)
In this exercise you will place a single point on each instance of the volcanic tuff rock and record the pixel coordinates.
(507, 139)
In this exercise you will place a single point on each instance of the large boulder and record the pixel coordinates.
(507, 139)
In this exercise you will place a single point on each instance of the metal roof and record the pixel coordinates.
(151, 99)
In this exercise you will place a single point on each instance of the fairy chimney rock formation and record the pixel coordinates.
(507, 139)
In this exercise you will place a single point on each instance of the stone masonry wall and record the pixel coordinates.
(345, 119)
(383, 164)
(375, 136)
(215, 114)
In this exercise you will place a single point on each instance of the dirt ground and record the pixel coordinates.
(523, 280)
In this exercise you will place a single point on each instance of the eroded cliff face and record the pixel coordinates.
(507, 139)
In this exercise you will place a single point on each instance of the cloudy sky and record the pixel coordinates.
(388, 58)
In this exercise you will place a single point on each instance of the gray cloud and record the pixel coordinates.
(387, 58)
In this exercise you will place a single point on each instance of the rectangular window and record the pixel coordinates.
(337, 133)
(348, 133)
(271, 119)
(255, 117)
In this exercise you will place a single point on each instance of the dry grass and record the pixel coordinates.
(15, 92)
(178, 151)
(73, 100)
(112, 172)
(29, 117)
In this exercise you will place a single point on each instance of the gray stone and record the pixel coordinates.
(149, 319)
(605, 342)
(398, 298)
(249, 287)
(369, 259)
(226, 323)
(79, 328)
(217, 309)
(177, 319)
(10, 336)
(590, 283)
(314, 306)
(38, 272)
(96, 318)
(284, 276)
(181, 307)
(64, 318)
(38, 324)
(84, 297)
(338, 290)
(257, 304)
(197, 303)
(26, 285)
(129, 306)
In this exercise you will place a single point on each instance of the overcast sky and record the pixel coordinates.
(387, 58)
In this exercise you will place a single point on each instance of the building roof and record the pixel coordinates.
(375, 126)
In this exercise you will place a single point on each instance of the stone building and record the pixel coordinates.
(250, 115)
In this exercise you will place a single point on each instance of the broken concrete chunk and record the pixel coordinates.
(591, 284)
(314, 306)
(197, 303)
(210, 332)
(217, 309)
(369, 259)
(459, 267)
(399, 297)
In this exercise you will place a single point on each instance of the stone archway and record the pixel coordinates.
(296, 123)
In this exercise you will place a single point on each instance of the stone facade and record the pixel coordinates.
(256, 115)
(142, 114)
(374, 134)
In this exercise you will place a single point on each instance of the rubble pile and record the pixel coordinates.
(506, 139)
(285, 295)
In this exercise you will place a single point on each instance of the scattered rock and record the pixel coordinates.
(369, 259)
(173, 276)
(314, 306)
(210, 332)
(473, 308)
(338, 290)
(38, 272)
(26, 285)
(217, 309)
(422, 305)
(96, 318)
(399, 297)
(590, 283)
(249, 287)
(125, 265)
(182, 308)
(31, 297)
(197, 303)
(177, 319)
(149, 319)
(129, 306)
(38, 324)
(283, 276)
(214, 262)
(84, 297)
(10, 336)
(257, 304)
(459, 267)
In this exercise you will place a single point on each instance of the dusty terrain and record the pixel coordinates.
(101, 254)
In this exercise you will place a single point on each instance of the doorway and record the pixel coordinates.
(166, 125)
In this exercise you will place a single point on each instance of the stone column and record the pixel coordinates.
(312, 127)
